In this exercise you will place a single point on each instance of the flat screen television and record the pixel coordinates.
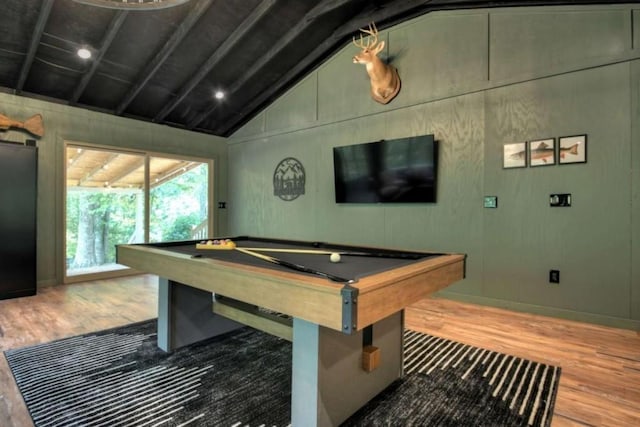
(388, 171)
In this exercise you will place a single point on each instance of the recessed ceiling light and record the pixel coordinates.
(219, 94)
(84, 53)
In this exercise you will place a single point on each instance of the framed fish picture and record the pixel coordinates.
(542, 152)
(572, 149)
(514, 155)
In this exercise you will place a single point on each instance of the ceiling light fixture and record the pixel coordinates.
(219, 94)
(133, 4)
(84, 53)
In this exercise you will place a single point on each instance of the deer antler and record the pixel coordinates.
(372, 38)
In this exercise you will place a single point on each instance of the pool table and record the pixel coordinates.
(345, 319)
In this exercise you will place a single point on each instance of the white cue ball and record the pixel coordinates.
(335, 257)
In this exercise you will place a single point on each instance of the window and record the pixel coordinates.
(106, 205)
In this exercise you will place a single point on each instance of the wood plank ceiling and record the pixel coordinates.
(106, 170)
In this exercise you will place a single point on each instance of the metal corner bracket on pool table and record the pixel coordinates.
(349, 309)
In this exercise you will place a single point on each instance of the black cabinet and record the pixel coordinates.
(18, 197)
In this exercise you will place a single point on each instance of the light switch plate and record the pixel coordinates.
(490, 201)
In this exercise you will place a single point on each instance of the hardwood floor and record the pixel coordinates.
(65, 311)
(599, 386)
(600, 380)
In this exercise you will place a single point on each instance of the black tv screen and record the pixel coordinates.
(388, 171)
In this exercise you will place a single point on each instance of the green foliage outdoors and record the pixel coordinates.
(181, 228)
(109, 217)
(99, 220)
(175, 204)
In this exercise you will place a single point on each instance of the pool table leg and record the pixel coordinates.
(185, 316)
(328, 382)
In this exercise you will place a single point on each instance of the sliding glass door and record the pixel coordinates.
(178, 197)
(106, 204)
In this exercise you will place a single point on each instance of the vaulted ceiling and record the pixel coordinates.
(163, 60)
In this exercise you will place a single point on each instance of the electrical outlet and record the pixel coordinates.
(554, 276)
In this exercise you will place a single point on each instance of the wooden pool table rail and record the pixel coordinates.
(313, 299)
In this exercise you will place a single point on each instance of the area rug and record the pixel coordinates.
(119, 377)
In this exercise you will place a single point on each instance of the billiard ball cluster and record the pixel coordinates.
(217, 244)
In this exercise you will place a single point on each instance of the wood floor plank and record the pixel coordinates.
(599, 385)
(65, 311)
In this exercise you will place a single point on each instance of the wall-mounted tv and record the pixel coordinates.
(388, 171)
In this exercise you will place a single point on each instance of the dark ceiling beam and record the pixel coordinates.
(243, 29)
(110, 34)
(322, 8)
(43, 16)
(480, 4)
(162, 55)
(340, 35)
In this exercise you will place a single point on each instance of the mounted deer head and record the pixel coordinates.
(385, 82)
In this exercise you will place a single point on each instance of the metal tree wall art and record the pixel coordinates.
(289, 179)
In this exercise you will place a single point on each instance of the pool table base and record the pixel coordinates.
(185, 316)
(328, 381)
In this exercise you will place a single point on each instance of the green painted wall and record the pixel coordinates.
(477, 80)
(64, 123)
(634, 301)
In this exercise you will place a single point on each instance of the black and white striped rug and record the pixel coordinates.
(119, 378)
